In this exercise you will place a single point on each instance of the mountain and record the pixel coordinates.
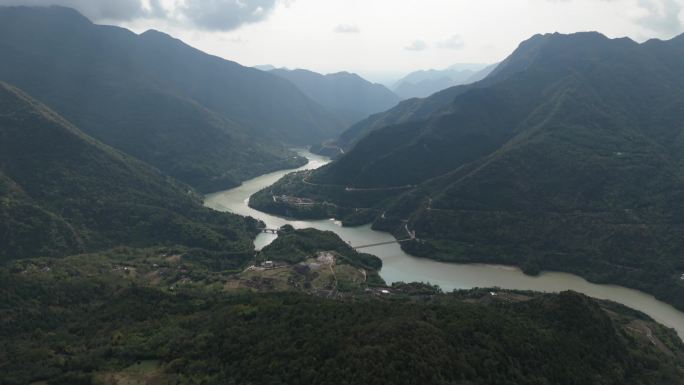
(348, 95)
(421, 84)
(265, 67)
(296, 246)
(481, 74)
(207, 121)
(414, 109)
(568, 157)
(63, 192)
(79, 321)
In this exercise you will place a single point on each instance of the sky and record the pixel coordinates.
(379, 39)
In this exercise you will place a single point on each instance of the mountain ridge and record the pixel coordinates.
(568, 158)
(197, 117)
(348, 95)
(423, 83)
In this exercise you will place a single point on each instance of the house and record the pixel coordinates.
(268, 264)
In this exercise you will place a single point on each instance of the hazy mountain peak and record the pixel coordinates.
(557, 50)
(676, 40)
(423, 83)
(153, 33)
(348, 76)
(347, 94)
(162, 39)
(55, 11)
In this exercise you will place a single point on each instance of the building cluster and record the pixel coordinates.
(294, 201)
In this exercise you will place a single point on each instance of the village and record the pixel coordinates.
(293, 201)
(320, 274)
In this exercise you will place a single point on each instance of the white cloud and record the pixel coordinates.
(455, 42)
(225, 15)
(662, 16)
(220, 15)
(347, 28)
(303, 33)
(99, 9)
(417, 45)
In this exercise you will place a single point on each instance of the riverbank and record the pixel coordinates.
(400, 266)
(487, 235)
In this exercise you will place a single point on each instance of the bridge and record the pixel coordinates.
(382, 243)
(411, 234)
(412, 237)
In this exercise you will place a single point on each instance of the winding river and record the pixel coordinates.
(399, 266)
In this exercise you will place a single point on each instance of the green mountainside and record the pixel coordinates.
(568, 157)
(411, 110)
(207, 121)
(112, 272)
(105, 320)
(293, 245)
(62, 192)
(348, 95)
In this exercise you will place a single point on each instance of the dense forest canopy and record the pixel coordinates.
(63, 192)
(70, 327)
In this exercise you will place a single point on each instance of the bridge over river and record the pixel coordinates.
(412, 237)
(382, 243)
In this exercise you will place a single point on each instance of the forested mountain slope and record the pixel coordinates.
(348, 95)
(586, 82)
(207, 121)
(113, 328)
(62, 192)
(568, 157)
(411, 110)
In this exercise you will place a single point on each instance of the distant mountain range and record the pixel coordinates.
(421, 84)
(348, 95)
(413, 108)
(566, 157)
(207, 121)
(265, 67)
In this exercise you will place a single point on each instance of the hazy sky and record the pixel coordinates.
(380, 39)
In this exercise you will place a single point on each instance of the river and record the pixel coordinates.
(399, 266)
